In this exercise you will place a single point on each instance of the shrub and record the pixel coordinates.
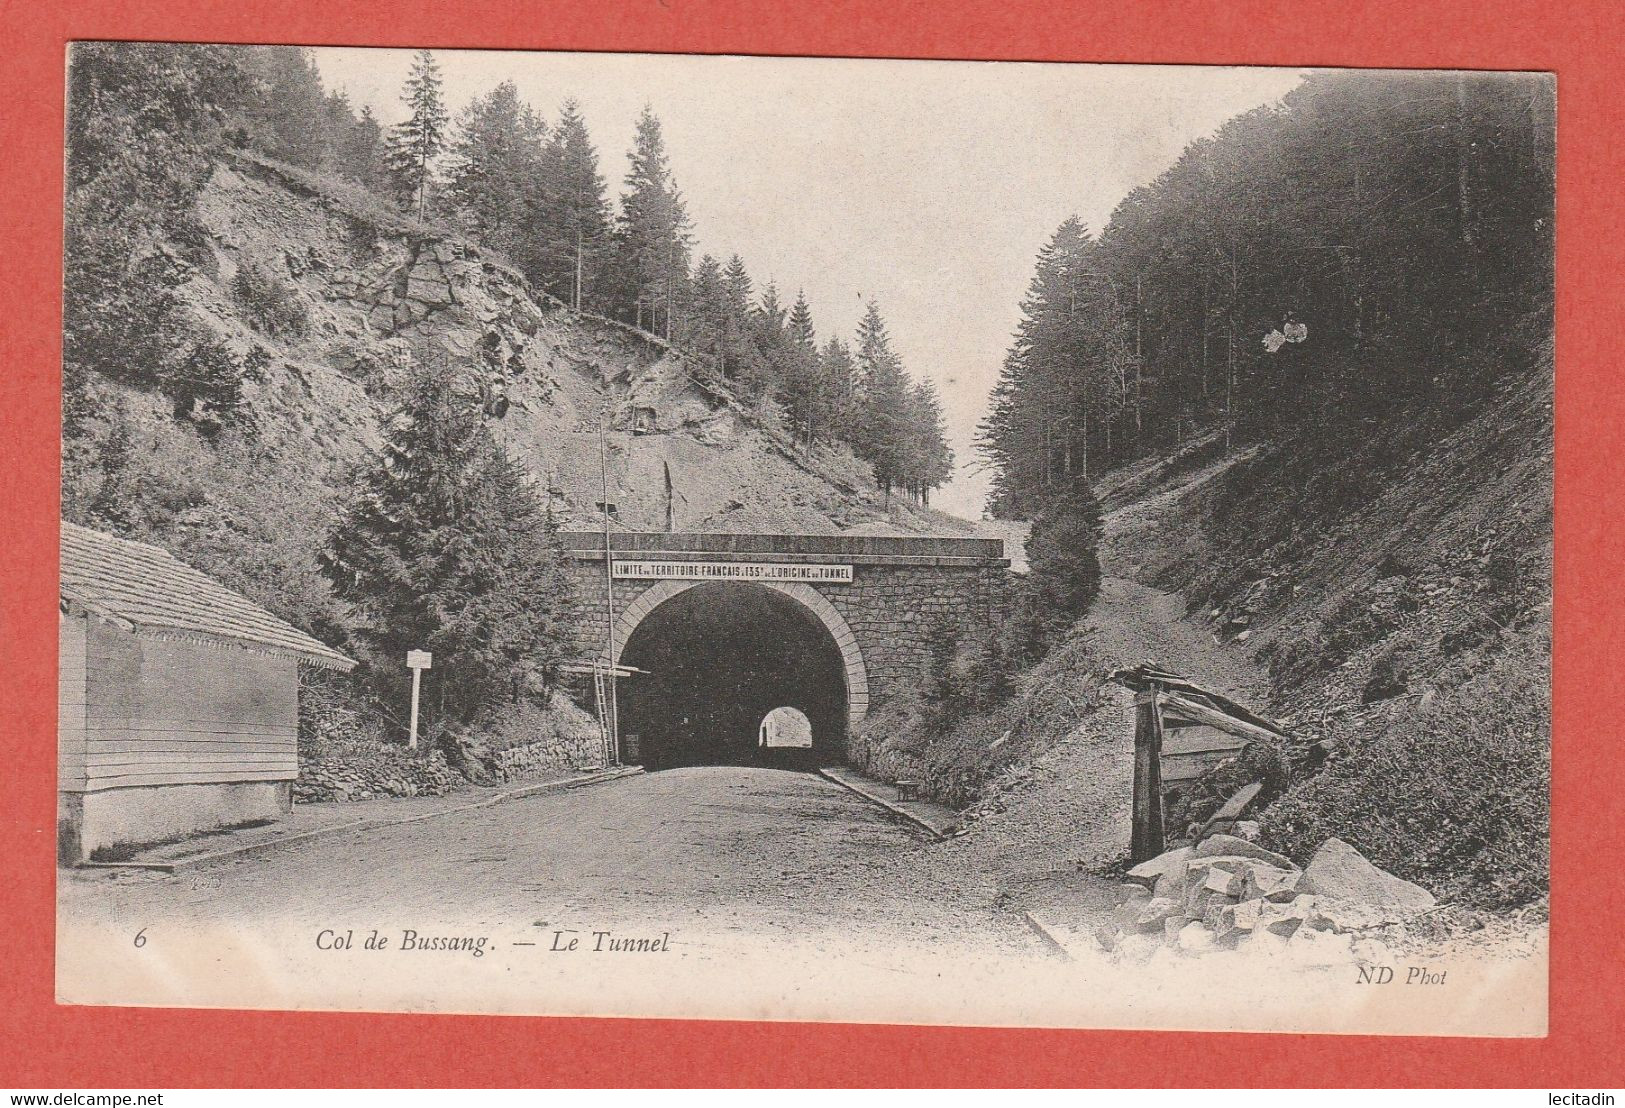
(1453, 795)
(445, 546)
(127, 487)
(1191, 805)
(559, 722)
(269, 303)
(1293, 658)
(1390, 674)
(968, 673)
(205, 382)
(1063, 555)
(958, 757)
(334, 717)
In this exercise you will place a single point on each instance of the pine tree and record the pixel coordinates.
(874, 353)
(416, 144)
(493, 162)
(338, 131)
(801, 322)
(1063, 555)
(804, 397)
(770, 311)
(839, 372)
(883, 402)
(930, 461)
(739, 285)
(445, 546)
(740, 358)
(1066, 374)
(572, 212)
(897, 425)
(364, 157)
(706, 331)
(771, 372)
(999, 436)
(654, 232)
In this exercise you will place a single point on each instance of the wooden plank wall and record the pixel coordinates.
(70, 703)
(170, 712)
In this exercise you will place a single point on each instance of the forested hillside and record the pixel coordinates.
(252, 266)
(528, 192)
(1392, 232)
(1308, 373)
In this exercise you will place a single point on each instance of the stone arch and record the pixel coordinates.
(857, 677)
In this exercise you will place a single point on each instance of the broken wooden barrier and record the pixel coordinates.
(1211, 728)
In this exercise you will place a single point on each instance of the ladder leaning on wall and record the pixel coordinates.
(601, 673)
(606, 731)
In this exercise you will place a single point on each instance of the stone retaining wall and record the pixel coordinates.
(386, 772)
(550, 756)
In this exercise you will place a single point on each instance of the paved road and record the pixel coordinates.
(732, 862)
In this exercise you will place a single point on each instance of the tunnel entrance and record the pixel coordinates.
(717, 659)
(784, 729)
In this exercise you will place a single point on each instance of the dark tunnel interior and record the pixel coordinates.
(719, 657)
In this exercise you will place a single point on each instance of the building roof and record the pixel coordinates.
(149, 591)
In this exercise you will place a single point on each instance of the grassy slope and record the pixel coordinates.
(1397, 590)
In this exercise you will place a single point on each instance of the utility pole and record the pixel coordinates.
(1071, 384)
(1230, 367)
(612, 756)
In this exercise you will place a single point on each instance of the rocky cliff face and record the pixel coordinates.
(340, 296)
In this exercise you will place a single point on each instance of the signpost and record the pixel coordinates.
(417, 661)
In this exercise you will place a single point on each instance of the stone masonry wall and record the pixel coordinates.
(895, 610)
(548, 757)
(891, 610)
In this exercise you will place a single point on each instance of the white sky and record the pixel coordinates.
(930, 186)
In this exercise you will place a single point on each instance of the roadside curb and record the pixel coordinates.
(171, 865)
(1047, 935)
(937, 832)
(521, 792)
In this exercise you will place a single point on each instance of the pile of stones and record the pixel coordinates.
(1227, 892)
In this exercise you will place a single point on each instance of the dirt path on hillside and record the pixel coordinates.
(1067, 817)
(1133, 623)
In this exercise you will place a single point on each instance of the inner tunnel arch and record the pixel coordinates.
(782, 635)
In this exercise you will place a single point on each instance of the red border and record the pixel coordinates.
(64, 1047)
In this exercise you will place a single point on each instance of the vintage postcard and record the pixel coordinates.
(806, 539)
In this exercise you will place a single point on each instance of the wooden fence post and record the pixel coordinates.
(1146, 840)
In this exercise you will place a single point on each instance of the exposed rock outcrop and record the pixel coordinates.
(1340, 872)
(338, 299)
